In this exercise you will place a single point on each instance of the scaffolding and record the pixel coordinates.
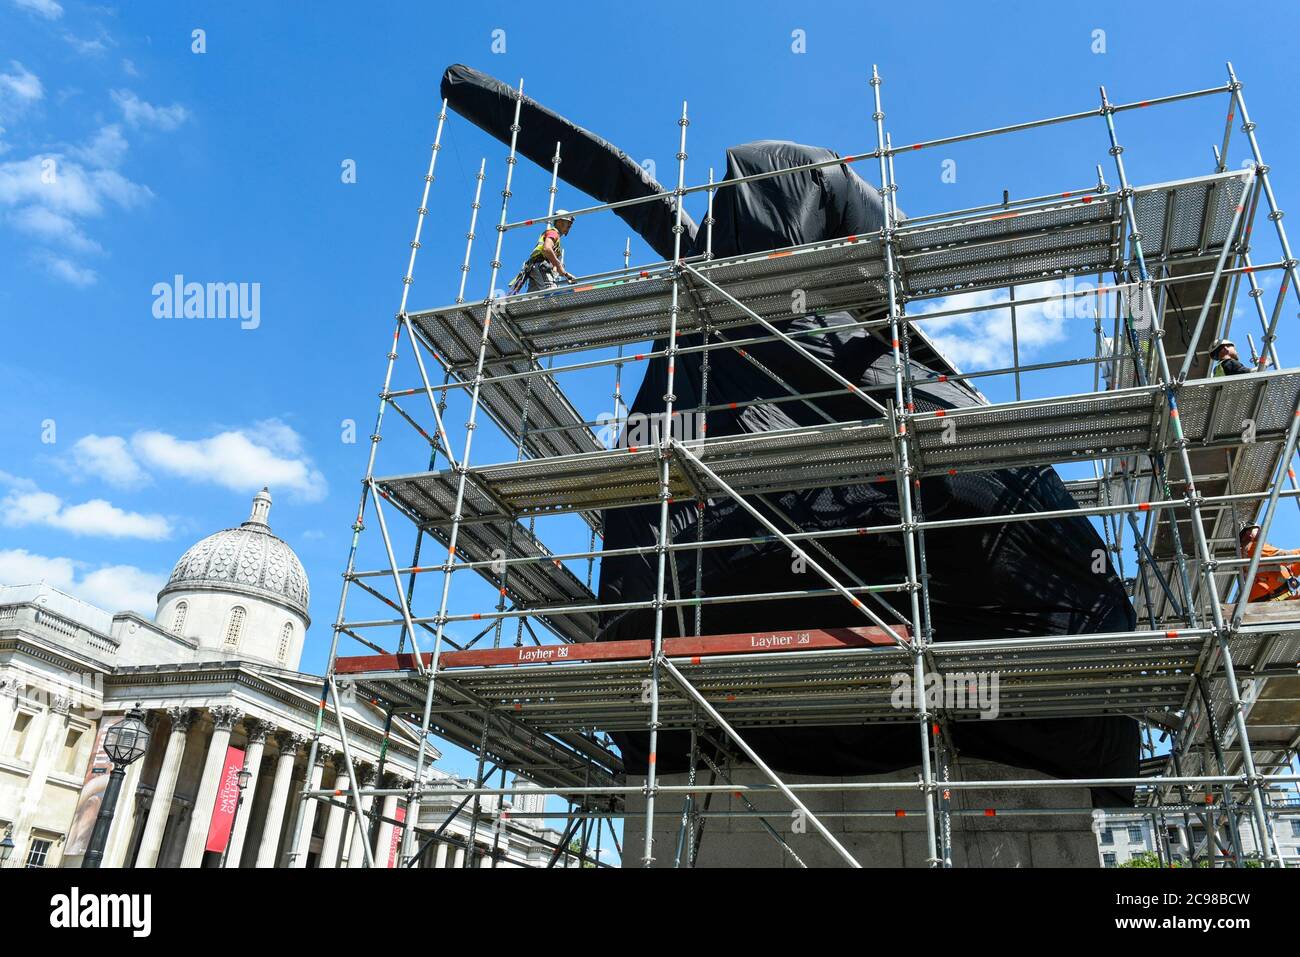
(1174, 474)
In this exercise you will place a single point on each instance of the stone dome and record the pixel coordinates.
(246, 560)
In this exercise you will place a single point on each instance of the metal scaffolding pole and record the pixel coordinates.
(1206, 557)
(665, 495)
(413, 803)
(900, 415)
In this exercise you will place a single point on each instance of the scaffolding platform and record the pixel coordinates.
(529, 584)
(799, 685)
(1074, 235)
(1075, 428)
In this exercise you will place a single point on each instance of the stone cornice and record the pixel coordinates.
(54, 654)
(238, 675)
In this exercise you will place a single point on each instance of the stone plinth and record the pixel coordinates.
(867, 824)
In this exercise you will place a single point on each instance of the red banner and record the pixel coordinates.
(223, 811)
(395, 841)
(92, 796)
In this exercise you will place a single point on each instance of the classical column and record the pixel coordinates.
(440, 855)
(354, 852)
(257, 732)
(224, 719)
(289, 744)
(317, 771)
(161, 808)
(389, 810)
(329, 851)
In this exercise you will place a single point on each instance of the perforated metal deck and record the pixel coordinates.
(1083, 427)
(1094, 674)
(1074, 235)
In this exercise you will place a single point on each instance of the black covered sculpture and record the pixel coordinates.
(1017, 579)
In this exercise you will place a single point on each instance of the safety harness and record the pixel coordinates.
(537, 258)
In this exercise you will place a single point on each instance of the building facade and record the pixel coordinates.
(1123, 837)
(215, 672)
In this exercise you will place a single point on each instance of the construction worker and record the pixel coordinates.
(545, 264)
(1224, 352)
(1274, 581)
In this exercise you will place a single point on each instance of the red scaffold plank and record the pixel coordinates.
(813, 639)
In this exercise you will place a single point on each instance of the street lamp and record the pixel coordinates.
(7, 847)
(242, 777)
(124, 743)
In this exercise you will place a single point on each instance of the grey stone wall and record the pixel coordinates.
(881, 839)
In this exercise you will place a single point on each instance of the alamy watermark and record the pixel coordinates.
(959, 691)
(179, 299)
(639, 430)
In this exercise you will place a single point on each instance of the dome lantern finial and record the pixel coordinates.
(261, 509)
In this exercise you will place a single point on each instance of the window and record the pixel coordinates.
(235, 626)
(286, 636)
(1135, 835)
(1295, 828)
(1108, 859)
(178, 618)
(1107, 836)
(71, 751)
(17, 742)
(38, 853)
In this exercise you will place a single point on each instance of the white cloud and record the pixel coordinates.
(53, 228)
(108, 457)
(66, 186)
(49, 9)
(51, 192)
(21, 567)
(86, 47)
(128, 67)
(27, 505)
(22, 85)
(982, 340)
(268, 453)
(137, 112)
(105, 150)
(60, 267)
(114, 587)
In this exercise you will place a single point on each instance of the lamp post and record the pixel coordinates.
(7, 847)
(242, 778)
(124, 743)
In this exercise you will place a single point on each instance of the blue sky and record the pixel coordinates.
(226, 166)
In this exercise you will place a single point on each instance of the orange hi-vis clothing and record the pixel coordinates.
(1271, 581)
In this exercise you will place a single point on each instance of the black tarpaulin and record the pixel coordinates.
(789, 210)
(587, 162)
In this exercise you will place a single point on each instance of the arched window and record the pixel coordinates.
(235, 627)
(178, 618)
(286, 635)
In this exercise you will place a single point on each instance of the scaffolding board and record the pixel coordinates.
(1065, 675)
(1075, 428)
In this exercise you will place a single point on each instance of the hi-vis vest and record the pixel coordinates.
(539, 250)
